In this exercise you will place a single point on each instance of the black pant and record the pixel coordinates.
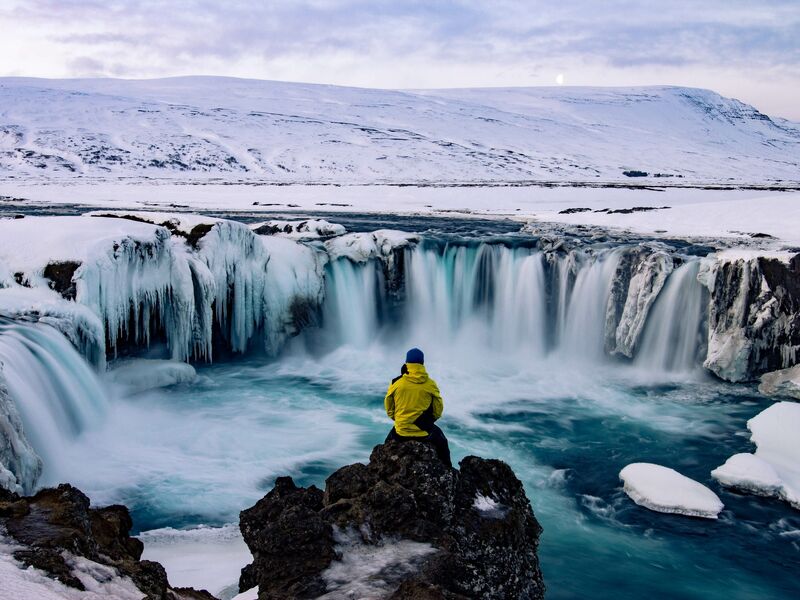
(435, 438)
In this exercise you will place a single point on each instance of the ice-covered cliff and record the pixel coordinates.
(118, 281)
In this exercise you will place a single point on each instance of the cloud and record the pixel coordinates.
(412, 43)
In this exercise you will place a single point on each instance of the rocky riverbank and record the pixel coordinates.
(402, 526)
(84, 549)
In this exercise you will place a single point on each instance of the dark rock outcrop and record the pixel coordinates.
(754, 316)
(477, 520)
(58, 522)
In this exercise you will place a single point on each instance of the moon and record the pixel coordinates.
(560, 79)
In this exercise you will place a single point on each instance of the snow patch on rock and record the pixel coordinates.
(101, 582)
(662, 489)
(308, 229)
(362, 247)
(371, 571)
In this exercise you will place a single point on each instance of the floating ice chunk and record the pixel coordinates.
(748, 473)
(785, 382)
(139, 375)
(774, 469)
(308, 229)
(665, 490)
(209, 558)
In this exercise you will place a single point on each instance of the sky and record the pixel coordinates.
(747, 50)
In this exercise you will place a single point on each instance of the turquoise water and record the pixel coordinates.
(200, 453)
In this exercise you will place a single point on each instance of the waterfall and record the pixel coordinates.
(585, 317)
(673, 337)
(514, 300)
(53, 388)
(353, 304)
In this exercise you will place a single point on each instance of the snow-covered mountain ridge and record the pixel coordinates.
(208, 128)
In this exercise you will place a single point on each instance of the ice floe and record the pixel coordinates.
(665, 490)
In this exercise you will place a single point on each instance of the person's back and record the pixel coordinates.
(414, 403)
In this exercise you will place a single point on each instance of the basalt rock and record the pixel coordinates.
(478, 523)
(57, 524)
(754, 316)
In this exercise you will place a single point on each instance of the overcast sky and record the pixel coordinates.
(748, 50)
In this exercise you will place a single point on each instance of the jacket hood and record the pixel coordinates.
(416, 373)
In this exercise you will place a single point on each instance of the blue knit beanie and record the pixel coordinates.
(415, 355)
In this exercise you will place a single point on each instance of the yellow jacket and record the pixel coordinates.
(409, 396)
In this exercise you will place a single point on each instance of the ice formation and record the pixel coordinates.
(20, 465)
(139, 272)
(645, 275)
(141, 374)
(774, 468)
(662, 489)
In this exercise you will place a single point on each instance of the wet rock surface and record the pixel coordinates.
(477, 519)
(58, 523)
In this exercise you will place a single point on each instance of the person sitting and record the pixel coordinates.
(414, 403)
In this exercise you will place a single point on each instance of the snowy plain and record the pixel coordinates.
(514, 175)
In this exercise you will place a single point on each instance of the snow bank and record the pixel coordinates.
(209, 558)
(139, 375)
(489, 507)
(101, 582)
(362, 247)
(774, 468)
(665, 490)
(785, 382)
(309, 229)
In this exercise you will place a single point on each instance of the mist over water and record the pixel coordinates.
(515, 342)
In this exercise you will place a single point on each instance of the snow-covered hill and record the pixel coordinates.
(202, 128)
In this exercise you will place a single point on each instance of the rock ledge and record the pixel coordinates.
(477, 520)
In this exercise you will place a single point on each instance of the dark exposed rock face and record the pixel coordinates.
(60, 519)
(754, 317)
(60, 275)
(404, 492)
